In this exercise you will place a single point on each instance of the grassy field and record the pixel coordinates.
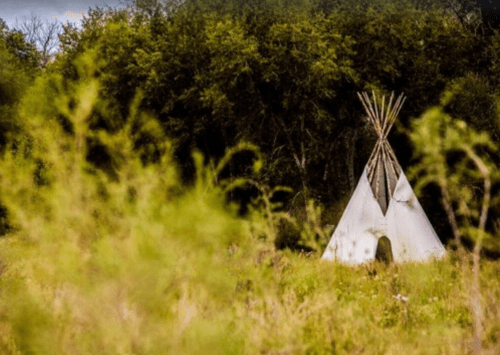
(186, 277)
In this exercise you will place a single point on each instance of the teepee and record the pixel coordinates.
(383, 204)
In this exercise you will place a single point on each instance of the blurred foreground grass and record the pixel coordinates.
(139, 265)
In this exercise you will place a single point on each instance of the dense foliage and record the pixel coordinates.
(283, 76)
(19, 60)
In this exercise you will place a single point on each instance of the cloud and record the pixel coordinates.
(51, 10)
(71, 16)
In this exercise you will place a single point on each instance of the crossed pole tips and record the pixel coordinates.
(382, 163)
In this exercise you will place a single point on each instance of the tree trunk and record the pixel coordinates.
(350, 144)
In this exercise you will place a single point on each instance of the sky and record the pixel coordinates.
(51, 10)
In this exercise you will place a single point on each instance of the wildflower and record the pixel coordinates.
(400, 297)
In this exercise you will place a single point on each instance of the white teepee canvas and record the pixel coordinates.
(383, 204)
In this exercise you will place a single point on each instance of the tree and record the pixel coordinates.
(12, 83)
(490, 15)
(24, 51)
(19, 66)
(475, 13)
(461, 9)
(43, 34)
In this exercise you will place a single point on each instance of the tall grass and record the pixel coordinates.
(141, 265)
